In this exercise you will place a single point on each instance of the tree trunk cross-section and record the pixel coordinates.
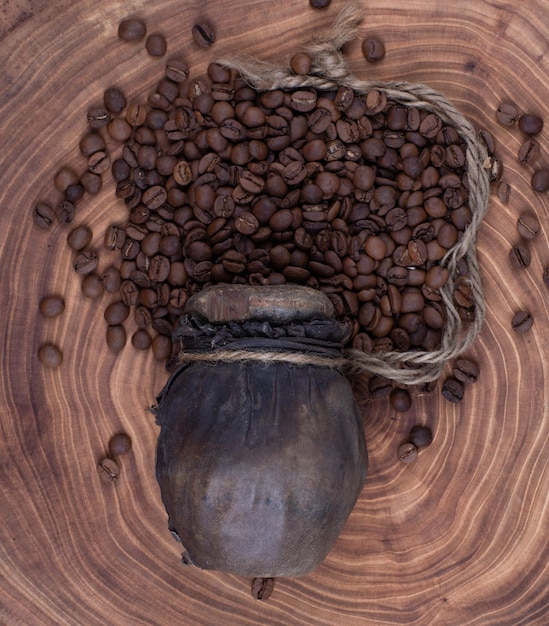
(458, 537)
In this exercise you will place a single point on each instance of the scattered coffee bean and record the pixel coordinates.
(108, 470)
(119, 444)
(520, 257)
(421, 436)
(116, 338)
(262, 588)
(522, 321)
(132, 29)
(530, 124)
(114, 100)
(400, 399)
(43, 215)
(373, 49)
(116, 313)
(203, 34)
(79, 238)
(503, 191)
(466, 371)
(50, 355)
(528, 152)
(156, 45)
(407, 452)
(92, 286)
(507, 114)
(85, 262)
(141, 340)
(51, 306)
(320, 4)
(300, 63)
(452, 390)
(540, 180)
(98, 117)
(528, 225)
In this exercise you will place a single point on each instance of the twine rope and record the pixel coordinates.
(329, 71)
(294, 358)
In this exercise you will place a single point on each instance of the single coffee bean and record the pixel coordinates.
(503, 191)
(177, 70)
(132, 29)
(99, 162)
(400, 399)
(540, 180)
(43, 215)
(452, 390)
(156, 45)
(116, 338)
(50, 355)
(407, 452)
(111, 279)
(119, 444)
(507, 114)
(108, 470)
(116, 313)
(51, 306)
(373, 49)
(91, 182)
(466, 371)
(65, 211)
(421, 436)
(528, 225)
(85, 262)
(64, 177)
(262, 588)
(161, 347)
(114, 100)
(203, 34)
(522, 321)
(141, 340)
(528, 152)
(520, 257)
(488, 140)
(530, 124)
(98, 117)
(300, 63)
(92, 286)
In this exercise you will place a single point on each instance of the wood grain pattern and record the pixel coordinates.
(458, 537)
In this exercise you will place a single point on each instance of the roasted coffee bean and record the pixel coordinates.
(43, 215)
(91, 182)
(421, 436)
(452, 390)
(132, 29)
(120, 443)
(92, 286)
(50, 355)
(488, 140)
(522, 321)
(373, 49)
(99, 162)
(520, 256)
(98, 117)
(529, 151)
(528, 225)
(400, 399)
(303, 101)
(466, 371)
(51, 306)
(203, 34)
(161, 347)
(407, 452)
(65, 212)
(65, 177)
(141, 340)
(114, 100)
(507, 114)
(300, 63)
(116, 313)
(156, 45)
(530, 124)
(177, 70)
(262, 588)
(116, 338)
(85, 262)
(540, 180)
(108, 470)
(111, 279)
(503, 191)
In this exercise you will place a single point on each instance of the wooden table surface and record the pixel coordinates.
(458, 537)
